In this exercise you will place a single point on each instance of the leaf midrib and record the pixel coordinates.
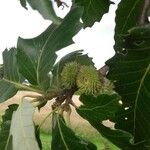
(22, 86)
(39, 58)
(129, 16)
(137, 97)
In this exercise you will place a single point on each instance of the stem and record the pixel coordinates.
(46, 118)
(143, 18)
(104, 70)
(25, 87)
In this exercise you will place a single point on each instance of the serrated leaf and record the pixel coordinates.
(131, 72)
(97, 109)
(127, 16)
(1, 71)
(63, 138)
(29, 54)
(37, 56)
(5, 127)
(23, 3)
(22, 128)
(122, 139)
(93, 10)
(44, 7)
(11, 75)
(7, 90)
(78, 56)
(10, 65)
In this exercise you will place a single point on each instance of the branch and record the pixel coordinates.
(143, 18)
(104, 70)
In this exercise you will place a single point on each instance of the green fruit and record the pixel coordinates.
(108, 87)
(69, 74)
(88, 80)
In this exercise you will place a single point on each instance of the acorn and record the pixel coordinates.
(89, 81)
(69, 74)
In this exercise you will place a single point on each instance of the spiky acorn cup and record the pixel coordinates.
(89, 81)
(108, 87)
(69, 74)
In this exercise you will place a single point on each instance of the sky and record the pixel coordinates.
(16, 21)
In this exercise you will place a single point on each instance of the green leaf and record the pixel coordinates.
(127, 16)
(37, 56)
(5, 127)
(22, 128)
(93, 10)
(100, 108)
(11, 75)
(28, 54)
(63, 138)
(77, 56)
(10, 65)
(1, 71)
(45, 8)
(23, 3)
(7, 90)
(122, 139)
(131, 72)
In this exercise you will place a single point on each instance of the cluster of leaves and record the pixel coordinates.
(32, 67)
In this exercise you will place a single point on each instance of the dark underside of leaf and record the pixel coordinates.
(127, 16)
(5, 126)
(63, 138)
(93, 10)
(130, 69)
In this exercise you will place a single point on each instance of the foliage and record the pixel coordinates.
(5, 126)
(10, 75)
(127, 17)
(44, 7)
(120, 94)
(22, 128)
(133, 84)
(93, 10)
(64, 138)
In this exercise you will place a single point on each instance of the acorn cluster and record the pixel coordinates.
(85, 78)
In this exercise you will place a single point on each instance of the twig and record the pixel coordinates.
(104, 70)
(144, 18)
(60, 3)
